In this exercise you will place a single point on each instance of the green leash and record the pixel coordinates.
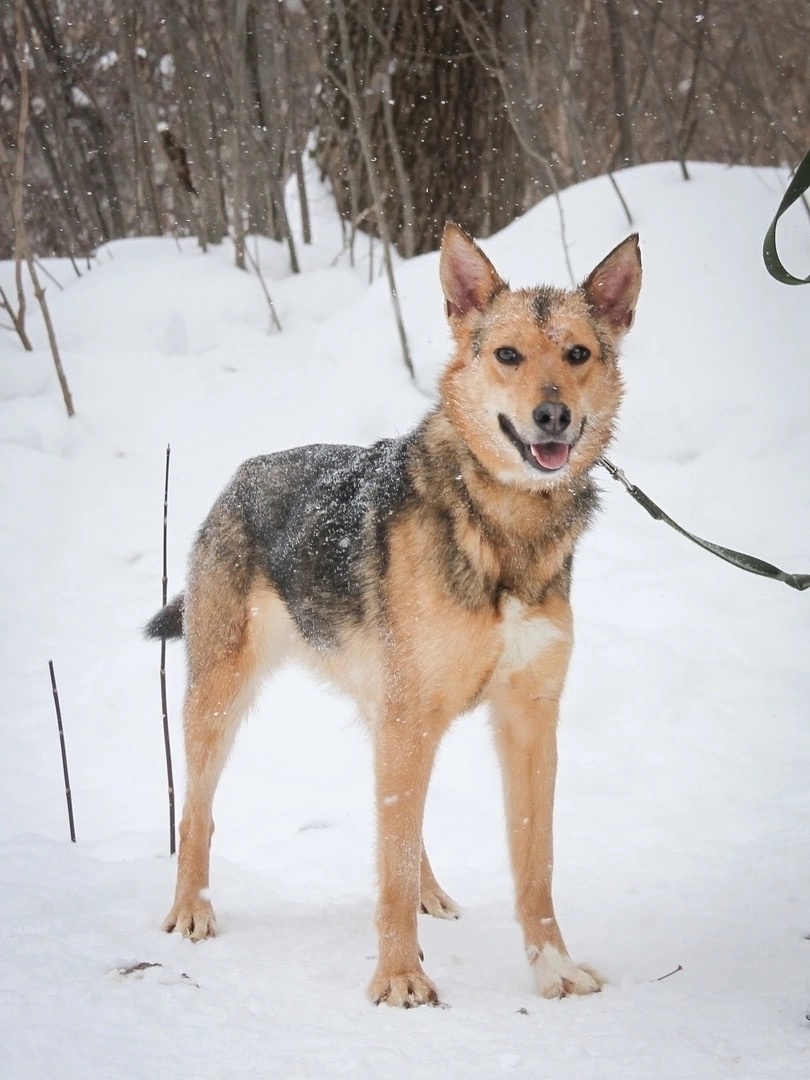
(796, 188)
(736, 558)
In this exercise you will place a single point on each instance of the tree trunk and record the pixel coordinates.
(443, 146)
(625, 152)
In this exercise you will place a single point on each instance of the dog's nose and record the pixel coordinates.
(552, 417)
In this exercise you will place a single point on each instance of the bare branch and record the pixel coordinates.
(373, 179)
(21, 239)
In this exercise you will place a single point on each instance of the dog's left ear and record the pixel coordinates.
(469, 280)
(612, 288)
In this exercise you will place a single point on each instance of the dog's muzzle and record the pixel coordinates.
(551, 451)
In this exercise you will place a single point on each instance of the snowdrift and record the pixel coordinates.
(682, 812)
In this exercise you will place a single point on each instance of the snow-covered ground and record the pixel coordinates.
(683, 803)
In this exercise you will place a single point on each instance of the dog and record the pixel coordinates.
(422, 575)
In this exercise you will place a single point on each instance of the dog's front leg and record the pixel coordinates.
(525, 708)
(404, 749)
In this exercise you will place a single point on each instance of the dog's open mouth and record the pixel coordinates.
(543, 456)
(550, 456)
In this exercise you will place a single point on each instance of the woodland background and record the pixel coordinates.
(683, 804)
(187, 117)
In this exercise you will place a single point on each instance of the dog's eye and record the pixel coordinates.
(506, 355)
(577, 354)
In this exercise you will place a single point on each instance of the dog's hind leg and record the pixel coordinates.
(433, 900)
(227, 646)
(214, 708)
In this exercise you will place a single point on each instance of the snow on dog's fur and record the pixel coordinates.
(422, 575)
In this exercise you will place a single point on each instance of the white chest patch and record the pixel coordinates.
(525, 636)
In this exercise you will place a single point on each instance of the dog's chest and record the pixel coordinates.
(525, 636)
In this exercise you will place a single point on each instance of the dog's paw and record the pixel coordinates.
(434, 901)
(556, 975)
(405, 990)
(192, 918)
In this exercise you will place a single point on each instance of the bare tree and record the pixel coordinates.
(173, 116)
(625, 150)
(21, 245)
(442, 145)
(14, 184)
(371, 174)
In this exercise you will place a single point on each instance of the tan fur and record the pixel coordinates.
(430, 645)
(595, 389)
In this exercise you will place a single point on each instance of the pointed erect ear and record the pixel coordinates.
(469, 280)
(612, 288)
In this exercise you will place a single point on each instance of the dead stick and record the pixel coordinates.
(254, 262)
(68, 796)
(163, 702)
(673, 972)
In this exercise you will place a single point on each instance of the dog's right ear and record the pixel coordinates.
(469, 280)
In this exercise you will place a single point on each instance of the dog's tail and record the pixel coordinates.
(168, 623)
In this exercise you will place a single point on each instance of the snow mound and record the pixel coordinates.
(682, 817)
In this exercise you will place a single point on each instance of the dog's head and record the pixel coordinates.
(534, 385)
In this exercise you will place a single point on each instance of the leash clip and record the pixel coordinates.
(616, 473)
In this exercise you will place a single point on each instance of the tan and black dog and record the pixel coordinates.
(423, 575)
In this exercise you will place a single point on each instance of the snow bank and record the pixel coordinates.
(682, 815)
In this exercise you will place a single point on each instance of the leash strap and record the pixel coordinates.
(736, 558)
(796, 188)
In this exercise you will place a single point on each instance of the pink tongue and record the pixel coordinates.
(550, 455)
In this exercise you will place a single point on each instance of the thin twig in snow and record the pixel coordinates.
(254, 262)
(163, 697)
(48, 274)
(68, 796)
(673, 972)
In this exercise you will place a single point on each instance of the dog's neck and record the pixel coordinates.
(529, 534)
